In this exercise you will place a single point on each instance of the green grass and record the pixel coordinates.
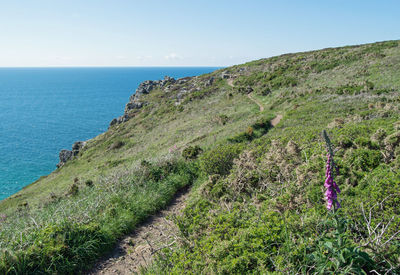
(268, 211)
(264, 184)
(69, 233)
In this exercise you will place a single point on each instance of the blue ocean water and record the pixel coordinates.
(44, 110)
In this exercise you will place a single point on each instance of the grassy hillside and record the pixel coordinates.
(257, 204)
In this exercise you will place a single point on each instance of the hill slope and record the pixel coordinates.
(257, 203)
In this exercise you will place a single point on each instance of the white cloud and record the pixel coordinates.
(173, 56)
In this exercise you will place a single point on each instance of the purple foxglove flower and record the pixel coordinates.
(331, 187)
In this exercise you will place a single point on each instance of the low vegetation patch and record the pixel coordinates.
(69, 234)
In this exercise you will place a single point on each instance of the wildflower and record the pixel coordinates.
(331, 187)
(173, 149)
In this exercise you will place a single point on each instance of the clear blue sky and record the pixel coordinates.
(184, 33)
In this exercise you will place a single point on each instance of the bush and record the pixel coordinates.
(256, 130)
(191, 152)
(362, 159)
(73, 190)
(250, 131)
(239, 242)
(89, 183)
(220, 159)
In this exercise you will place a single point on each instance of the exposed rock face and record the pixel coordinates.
(77, 146)
(183, 80)
(135, 101)
(209, 82)
(66, 155)
(225, 75)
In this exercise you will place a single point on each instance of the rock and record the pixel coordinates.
(210, 81)
(135, 101)
(133, 105)
(113, 122)
(225, 75)
(66, 155)
(167, 80)
(77, 147)
(181, 93)
(183, 80)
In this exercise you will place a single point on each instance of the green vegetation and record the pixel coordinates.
(67, 234)
(257, 201)
(191, 152)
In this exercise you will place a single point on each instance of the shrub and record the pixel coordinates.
(239, 242)
(256, 130)
(89, 183)
(266, 91)
(191, 152)
(362, 159)
(379, 136)
(250, 131)
(220, 159)
(345, 142)
(73, 190)
(145, 163)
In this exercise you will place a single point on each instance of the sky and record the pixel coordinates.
(48, 33)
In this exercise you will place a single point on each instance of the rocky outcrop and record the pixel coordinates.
(209, 81)
(136, 101)
(66, 155)
(225, 75)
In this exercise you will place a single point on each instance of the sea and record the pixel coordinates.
(44, 110)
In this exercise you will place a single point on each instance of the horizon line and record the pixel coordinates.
(111, 66)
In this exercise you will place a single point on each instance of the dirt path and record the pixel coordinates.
(230, 82)
(276, 120)
(138, 248)
(256, 102)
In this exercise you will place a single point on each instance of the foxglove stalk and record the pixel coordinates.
(332, 189)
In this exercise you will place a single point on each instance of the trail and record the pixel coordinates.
(137, 249)
(230, 82)
(256, 102)
(276, 120)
